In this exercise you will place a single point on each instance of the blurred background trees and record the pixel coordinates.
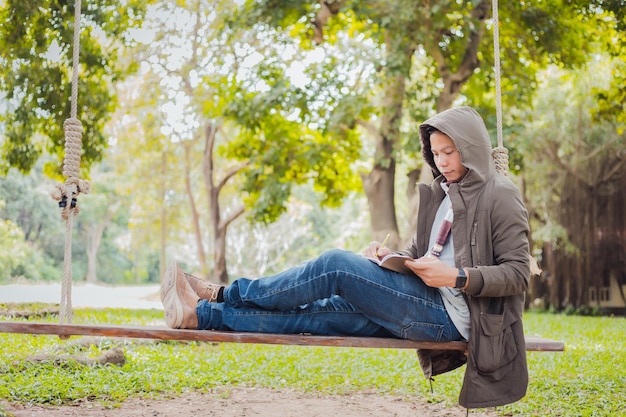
(244, 137)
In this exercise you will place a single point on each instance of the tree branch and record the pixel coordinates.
(231, 217)
(327, 10)
(230, 174)
(371, 129)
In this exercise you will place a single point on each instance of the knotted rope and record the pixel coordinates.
(67, 194)
(500, 154)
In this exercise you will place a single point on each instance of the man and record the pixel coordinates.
(470, 255)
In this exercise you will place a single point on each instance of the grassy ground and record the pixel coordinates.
(588, 379)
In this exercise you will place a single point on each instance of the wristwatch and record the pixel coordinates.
(461, 279)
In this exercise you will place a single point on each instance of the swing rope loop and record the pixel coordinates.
(67, 194)
(500, 154)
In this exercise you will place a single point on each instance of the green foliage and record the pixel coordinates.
(588, 379)
(612, 99)
(23, 261)
(36, 41)
(283, 154)
(563, 141)
(34, 232)
(13, 250)
(291, 135)
(531, 37)
(33, 235)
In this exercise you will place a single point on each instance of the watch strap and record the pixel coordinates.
(461, 279)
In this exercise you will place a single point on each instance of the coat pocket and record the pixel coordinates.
(495, 347)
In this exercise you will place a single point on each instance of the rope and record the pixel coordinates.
(67, 194)
(500, 154)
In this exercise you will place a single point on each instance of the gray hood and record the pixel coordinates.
(467, 129)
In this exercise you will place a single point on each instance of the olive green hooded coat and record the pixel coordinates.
(490, 232)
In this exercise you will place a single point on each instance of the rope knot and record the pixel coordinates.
(500, 156)
(67, 194)
(73, 147)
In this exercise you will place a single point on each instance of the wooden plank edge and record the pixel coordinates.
(542, 344)
(533, 343)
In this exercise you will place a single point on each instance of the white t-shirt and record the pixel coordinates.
(452, 298)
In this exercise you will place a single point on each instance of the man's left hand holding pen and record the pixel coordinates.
(378, 250)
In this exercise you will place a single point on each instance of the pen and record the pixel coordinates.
(382, 245)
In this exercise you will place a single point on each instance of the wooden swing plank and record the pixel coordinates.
(533, 343)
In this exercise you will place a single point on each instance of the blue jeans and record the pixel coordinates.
(338, 294)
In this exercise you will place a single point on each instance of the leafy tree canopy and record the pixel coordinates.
(612, 99)
(288, 139)
(441, 33)
(532, 34)
(36, 39)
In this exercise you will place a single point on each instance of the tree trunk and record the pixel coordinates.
(550, 276)
(163, 237)
(195, 216)
(379, 187)
(220, 272)
(92, 254)
(454, 81)
(424, 176)
(94, 240)
(219, 268)
(379, 183)
(213, 188)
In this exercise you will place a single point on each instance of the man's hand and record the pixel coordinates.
(375, 250)
(433, 272)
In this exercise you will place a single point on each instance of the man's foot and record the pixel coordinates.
(205, 290)
(179, 300)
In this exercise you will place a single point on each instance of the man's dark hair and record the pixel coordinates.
(430, 130)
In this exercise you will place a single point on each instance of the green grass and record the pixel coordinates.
(588, 379)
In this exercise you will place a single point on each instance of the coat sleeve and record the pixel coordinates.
(500, 245)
